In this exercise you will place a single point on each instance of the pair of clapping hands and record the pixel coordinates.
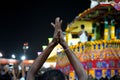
(58, 36)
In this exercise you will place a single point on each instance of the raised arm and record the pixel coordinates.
(44, 55)
(74, 62)
(73, 58)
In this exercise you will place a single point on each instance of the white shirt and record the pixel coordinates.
(22, 78)
(83, 37)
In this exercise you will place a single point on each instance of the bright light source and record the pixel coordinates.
(13, 56)
(27, 47)
(23, 58)
(44, 46)
(38, 53)
(1, 54)
(49, 64)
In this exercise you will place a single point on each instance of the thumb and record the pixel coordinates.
(53, 24)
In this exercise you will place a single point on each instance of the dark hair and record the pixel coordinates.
(53, 75)
(82, 26)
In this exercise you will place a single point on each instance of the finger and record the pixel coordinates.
(61, 21)
(53, 24)
(60, 24)
(57, 20)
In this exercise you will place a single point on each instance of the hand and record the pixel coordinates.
(22, 65)
(13, 71)
(57, 27)
(58, 34)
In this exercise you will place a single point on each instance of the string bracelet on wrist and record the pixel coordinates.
(66, 49)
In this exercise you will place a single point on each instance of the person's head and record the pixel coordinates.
(82, 26)
(6, 68)
(53, 75)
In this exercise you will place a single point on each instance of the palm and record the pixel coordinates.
(57, 26)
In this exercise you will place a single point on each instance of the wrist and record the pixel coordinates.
(53, 43)
(66, 49)
(64, 45)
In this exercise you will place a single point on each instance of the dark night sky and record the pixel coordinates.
(29, 21)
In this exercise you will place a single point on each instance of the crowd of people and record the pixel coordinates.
(13, 72)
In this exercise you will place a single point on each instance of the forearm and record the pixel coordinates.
(23, 72)
(14, 77)
(75, 62)
(40, 61)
